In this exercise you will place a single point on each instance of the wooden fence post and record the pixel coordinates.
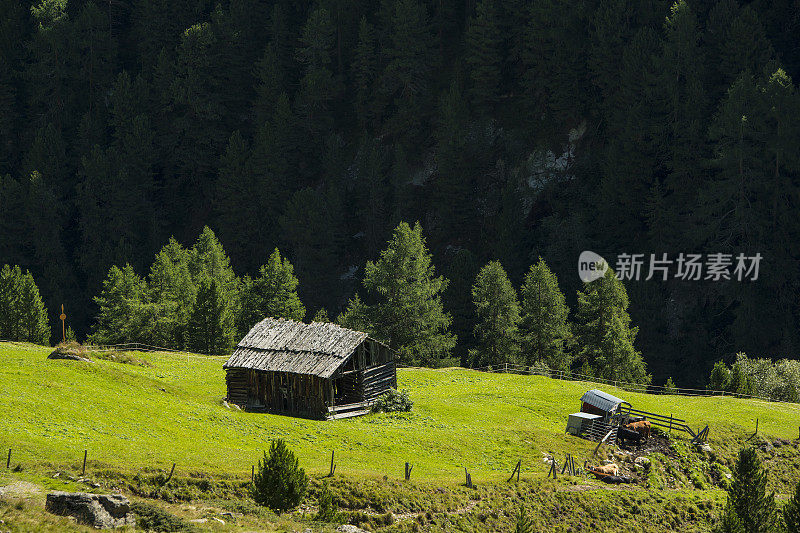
(516, 471)
(8, 461)
(170, 474)
(83, 470)
(409, 468)
(469, 479)
(333, 466)
(252, 473)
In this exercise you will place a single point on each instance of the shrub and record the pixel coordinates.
(327, 511)
(279, 483)
(720, 377)
(152, 518)
(523, 523)
(669, 386)
(791, 512)
(393, 401)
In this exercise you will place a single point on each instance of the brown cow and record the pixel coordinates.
(641, 427)
(605, 470)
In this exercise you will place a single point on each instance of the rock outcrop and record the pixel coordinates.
(99, 510)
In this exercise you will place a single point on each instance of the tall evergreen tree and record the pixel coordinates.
(364, 71)
(544, 328)
(497, 310)
(484, 55)
(173, 294)
(408, 312)
(120, 318)
(24, 317)
(318, 86)
(272, 294)
(603, 332)
(749, 508)
(407, 73)
(211, 328)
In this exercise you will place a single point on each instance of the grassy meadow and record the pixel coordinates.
(132, 417)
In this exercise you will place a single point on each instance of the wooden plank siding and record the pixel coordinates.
(271, 370)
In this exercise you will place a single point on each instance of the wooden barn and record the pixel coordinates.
(317, 370)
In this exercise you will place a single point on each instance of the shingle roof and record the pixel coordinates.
(280, 345)
(601, 400)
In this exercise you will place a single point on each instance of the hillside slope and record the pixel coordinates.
(131, 417)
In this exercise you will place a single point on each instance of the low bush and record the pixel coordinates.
(150, 517)
(393, 401)
(327, 512)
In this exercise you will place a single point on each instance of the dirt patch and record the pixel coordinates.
(20, 489)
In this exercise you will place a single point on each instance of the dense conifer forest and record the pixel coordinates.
(512, 131)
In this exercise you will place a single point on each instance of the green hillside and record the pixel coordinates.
(136, 420)
(130, 417)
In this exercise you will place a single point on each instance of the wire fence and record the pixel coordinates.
(503, 368)
(510, 368)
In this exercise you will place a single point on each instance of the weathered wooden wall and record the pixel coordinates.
(368, 373)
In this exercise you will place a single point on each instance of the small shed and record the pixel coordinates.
(317, 370)
(578, 423)
(601, 403)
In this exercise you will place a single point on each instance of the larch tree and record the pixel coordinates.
(604, 333)
(211, 328)
(497, 311)
(120, 318)
(408, 312)
(544, 328)
(272, 294)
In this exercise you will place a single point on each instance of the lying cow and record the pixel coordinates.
(602, 471)
(628, 435)
(642, 427)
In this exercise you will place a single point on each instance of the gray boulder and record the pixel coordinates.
(99, 510)
(68, 355)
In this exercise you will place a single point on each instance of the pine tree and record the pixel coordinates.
(211, 328)
(272, 294)
(356, 316)
(497, 310)
(271, 83)
(321, 316)
(407, 74)
(544, 328)
(749, 508)
(791, 512)
(280, 483)
(603, 332)
(207, 259)
(312, 226)
(32, 315)
(23, 316)
(365, 71)
(121, 301)
(173, 293)
(243, 195)
(461, 271)
(318, 86)
(484, 55)
(408, 312)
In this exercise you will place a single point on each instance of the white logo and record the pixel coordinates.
(591, 266)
